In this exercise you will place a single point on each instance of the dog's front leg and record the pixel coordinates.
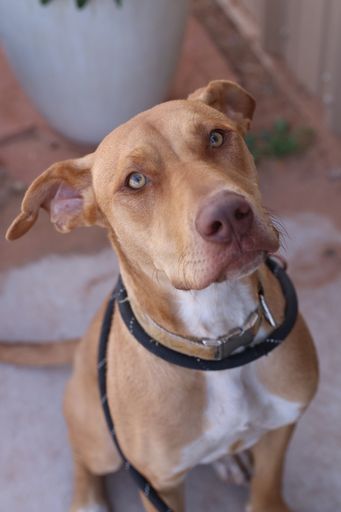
(266, 483)
(174, 497)
(89, 491)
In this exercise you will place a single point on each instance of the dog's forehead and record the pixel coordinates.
(180, 114)
(162, 125)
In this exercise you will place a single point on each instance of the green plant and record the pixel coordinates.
(280, 141)
(80, 3)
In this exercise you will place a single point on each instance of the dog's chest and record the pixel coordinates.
(238, 408)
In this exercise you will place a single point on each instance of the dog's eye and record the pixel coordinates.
(216, 138)
(136, 180)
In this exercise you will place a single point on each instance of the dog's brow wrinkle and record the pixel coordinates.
(165, 138)
(142, 154)
(146, 157)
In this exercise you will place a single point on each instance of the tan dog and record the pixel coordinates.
(176, 189)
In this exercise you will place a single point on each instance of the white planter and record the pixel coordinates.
(89, 70)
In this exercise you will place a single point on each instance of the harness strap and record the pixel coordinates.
(141, 482)
(248, 355)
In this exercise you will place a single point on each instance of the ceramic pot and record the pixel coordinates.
(89, 70)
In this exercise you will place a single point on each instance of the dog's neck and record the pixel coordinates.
(211, 312)
(217, 309)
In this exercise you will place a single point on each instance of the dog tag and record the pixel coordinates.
(266, 311)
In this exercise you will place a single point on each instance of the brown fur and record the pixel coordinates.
(152, 231)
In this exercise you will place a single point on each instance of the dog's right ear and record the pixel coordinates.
(230, 99)
(65, 191)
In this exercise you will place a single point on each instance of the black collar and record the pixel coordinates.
(247, 355)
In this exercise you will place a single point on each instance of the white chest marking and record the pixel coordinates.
(239, 408)
(217, 309)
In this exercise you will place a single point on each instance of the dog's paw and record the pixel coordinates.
(235, 469)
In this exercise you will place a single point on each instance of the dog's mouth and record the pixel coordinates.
(215, 263)
(241, 265)
(201, 274)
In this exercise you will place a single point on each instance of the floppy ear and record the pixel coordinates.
(65, 191)
(230, 99)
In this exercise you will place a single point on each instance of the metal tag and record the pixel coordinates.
(266, 311)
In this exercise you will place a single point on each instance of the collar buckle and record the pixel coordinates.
(237, 339)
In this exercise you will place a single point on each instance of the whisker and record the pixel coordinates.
(279, 227)
(183, 264)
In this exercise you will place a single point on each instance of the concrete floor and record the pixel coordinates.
(65, 278)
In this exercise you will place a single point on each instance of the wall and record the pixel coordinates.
(307, 34)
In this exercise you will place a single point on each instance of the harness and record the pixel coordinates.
(248, 354)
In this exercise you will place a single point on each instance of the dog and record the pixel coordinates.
(176, 189)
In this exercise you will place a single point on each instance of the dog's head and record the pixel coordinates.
(175, 186)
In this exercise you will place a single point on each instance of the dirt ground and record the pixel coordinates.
(50, 284)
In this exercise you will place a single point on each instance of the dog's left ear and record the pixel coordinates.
(65, 191)
(230, 99)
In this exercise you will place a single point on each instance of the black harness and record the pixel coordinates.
(249, 354)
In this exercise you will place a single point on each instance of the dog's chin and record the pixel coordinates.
(241, 265)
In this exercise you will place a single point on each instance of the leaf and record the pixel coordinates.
(280, 141)
(81, 3)
(281, 126)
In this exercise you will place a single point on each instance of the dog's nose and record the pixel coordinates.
(226, 215)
